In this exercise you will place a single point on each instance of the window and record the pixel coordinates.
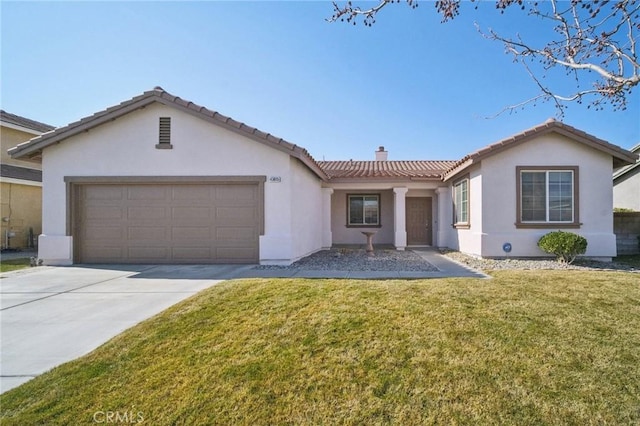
(547, 196)
(461, 203)
(164, 133)
(363, 210)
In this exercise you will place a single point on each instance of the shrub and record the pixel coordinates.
(622, 210)
(565, 245)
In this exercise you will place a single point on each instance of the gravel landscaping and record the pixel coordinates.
(344, 259)
(359, 260)
(528, 264)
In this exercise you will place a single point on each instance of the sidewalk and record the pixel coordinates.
(445, 268)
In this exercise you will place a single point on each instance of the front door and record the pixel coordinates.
(419, 232)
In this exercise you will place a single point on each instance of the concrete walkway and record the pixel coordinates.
(50, 315)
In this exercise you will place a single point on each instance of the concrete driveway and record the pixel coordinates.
(50, 315)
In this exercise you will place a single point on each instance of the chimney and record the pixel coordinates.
(381, 154)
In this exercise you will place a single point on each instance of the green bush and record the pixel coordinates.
(565, 245)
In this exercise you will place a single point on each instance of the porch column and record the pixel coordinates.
(327, 237)
(444, 215)
(399, 219)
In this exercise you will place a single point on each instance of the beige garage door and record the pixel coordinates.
(167, 223)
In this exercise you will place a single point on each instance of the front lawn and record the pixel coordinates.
(14, 264)
(526, 347)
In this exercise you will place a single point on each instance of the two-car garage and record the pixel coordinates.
(193, 220)
(157, 179)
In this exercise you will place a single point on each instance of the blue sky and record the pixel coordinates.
(420, 88)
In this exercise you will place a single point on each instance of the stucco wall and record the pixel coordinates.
(126, 147)
(21, 211)
(344, 235)
(21, 200)
(626, 191)
(11, 138)
(469, 240)
(306, 211)
(499, 196)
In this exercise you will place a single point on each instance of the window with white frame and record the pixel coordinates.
(547, 196)
(363, 210)
(461, 202)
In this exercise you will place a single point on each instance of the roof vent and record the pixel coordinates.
(381, 154)
(164, 133)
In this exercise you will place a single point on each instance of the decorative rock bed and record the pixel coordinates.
(359, 260)
(528, 264)
(347, 259)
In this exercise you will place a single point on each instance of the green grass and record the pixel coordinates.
(14, 264)
(527, 347)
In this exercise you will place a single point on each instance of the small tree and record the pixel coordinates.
(564, 245)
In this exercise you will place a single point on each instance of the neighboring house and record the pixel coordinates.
(626, 185)
(157, 179)
(21, 182)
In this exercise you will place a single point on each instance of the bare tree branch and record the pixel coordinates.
(595, 38)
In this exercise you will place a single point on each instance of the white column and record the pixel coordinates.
(444, 216)
(327, 237)
(399, 219)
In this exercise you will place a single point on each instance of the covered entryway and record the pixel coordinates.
(419, 219)
(197, 220)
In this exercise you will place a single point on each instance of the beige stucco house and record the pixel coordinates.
(21, 184)
(157, 179)
(626, 185)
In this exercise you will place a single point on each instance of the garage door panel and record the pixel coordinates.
(156, 233)
(147, 213)
(103, 213)
(99, 252)
(192, 253)
(236, 193)
(103, 192)
(235, 233)
(147, 193)
(191, 212)
(168, 223)
(236, 213)
(200, 194)
(104, 233)
(148, 253)
(191, 233)
(235, 255)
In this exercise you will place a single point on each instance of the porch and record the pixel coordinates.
(416, 215)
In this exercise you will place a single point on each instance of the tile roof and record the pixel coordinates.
(385, 169)
(623, 171)
(326, 170)
(158, 94)
(27, 123)
(23, 173)
(620, 156)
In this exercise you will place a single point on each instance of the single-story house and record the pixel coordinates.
(158, 179)
(21, 184)
(626, 185)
